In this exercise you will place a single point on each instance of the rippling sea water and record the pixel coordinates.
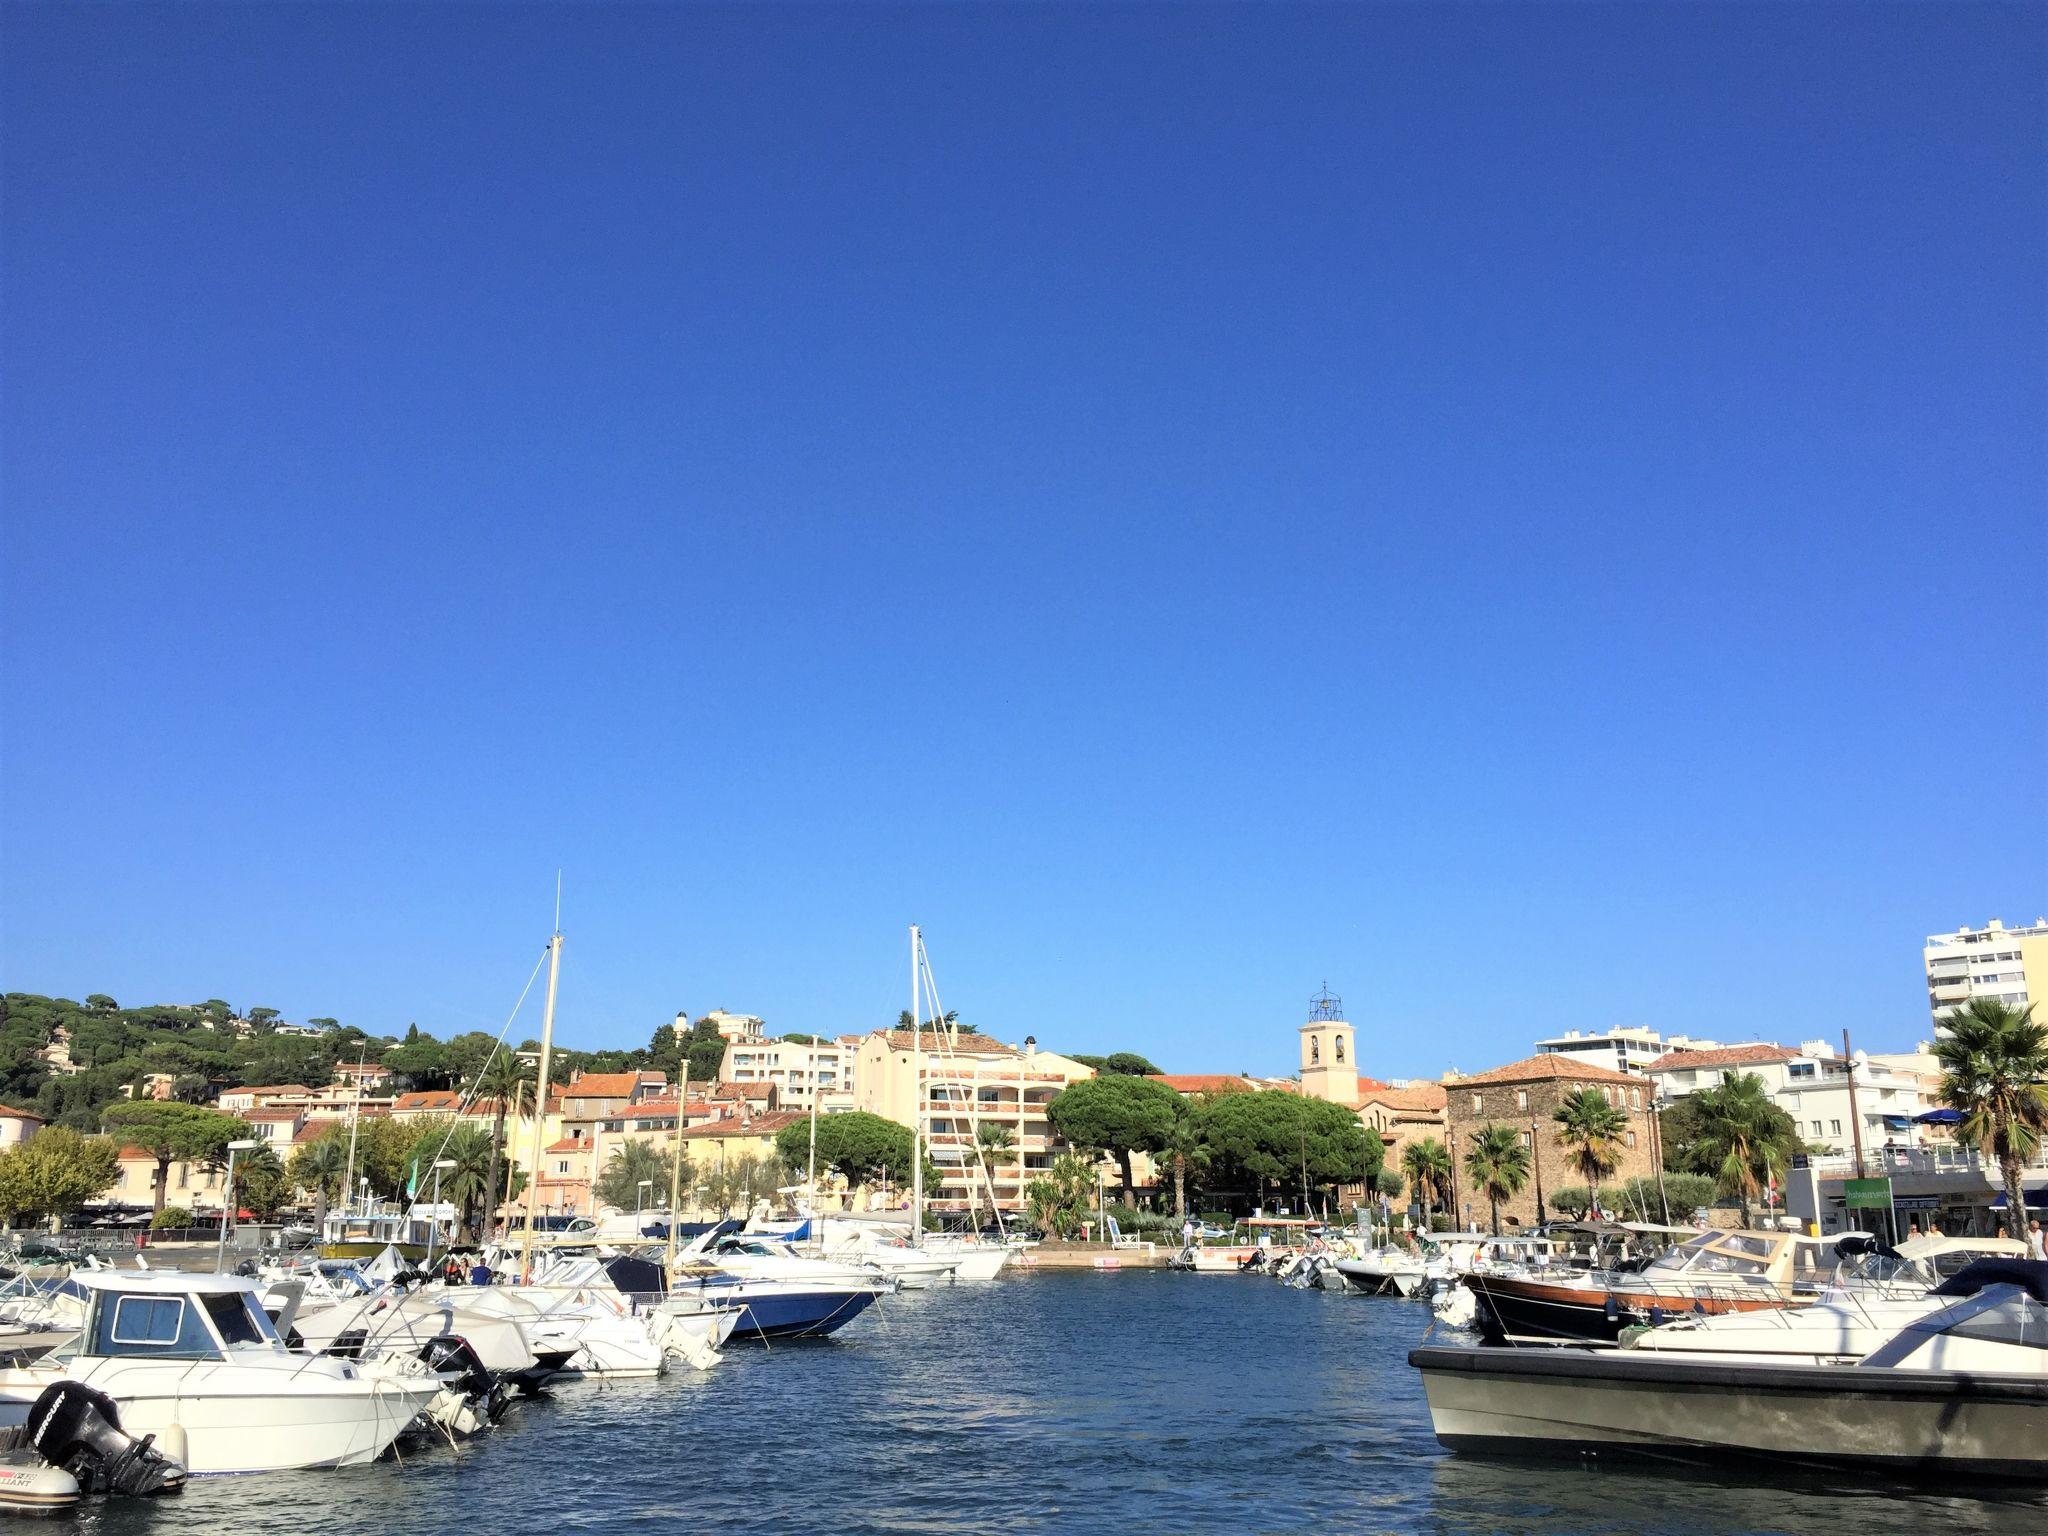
(1143, 1401)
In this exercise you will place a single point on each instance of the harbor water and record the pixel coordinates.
(1136, 1402)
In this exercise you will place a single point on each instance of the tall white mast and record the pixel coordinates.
(917, 1106)
(355, 1110)
(675, 1165)
(540, 1095)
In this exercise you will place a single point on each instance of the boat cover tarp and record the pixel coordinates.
(2029, 1274)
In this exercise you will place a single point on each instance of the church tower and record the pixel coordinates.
(1329, 1060)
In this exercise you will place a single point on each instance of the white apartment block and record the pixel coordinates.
(2009, 964)
(797, 1070)
(730, 1026)
(1625, 1048)
(1811, 1084)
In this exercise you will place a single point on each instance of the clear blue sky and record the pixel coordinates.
(1532, 516)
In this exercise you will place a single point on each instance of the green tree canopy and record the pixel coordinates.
(857, 1146)
(173, 1132)
(1590, 1129)
(1498, 1165)
(1114, 1114)
(55, 1172)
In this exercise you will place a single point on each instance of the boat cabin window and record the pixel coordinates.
(150, 1325)
(231, 1314)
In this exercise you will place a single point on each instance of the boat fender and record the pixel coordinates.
(1613, 1308)
(175, 1444)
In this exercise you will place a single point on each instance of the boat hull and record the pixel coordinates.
(1514, 1307)
(1612, 1403)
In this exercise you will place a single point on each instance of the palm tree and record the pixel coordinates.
(1994, 1058)
(1427, 1165)
(1589, 1129)
(507, 1082)
(321, 1166)
(1183, 1148)
(472, 1150)
(630, 1165)
(1498, 1165)
(1738, 1133)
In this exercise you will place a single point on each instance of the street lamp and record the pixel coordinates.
(640, 1198)
(434, 1223)
(227, 1203)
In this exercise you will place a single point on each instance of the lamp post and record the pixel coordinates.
(227, 1201)
(434, 1225)
(640, 1199)
(1536, 1162)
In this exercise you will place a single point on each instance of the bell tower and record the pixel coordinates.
(1329, 1059)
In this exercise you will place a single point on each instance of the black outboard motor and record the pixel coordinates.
(73, 1427)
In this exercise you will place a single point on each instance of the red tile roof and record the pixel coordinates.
(608, 1085)
(569, 1144)
(1552, 1066)
(757, 1125)
(1421, 1098)
(275, 1088)
(1203, 1082)
(745, 1090)
(440, 1099)
(1723, 1056)
(967, 1040)
(270, 1114)
(8, 1111)
(312, 1130)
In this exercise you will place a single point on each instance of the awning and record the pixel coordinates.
(1898, 1122)
(1939, 1117)
(2037, 1199)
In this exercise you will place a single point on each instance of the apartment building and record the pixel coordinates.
(1624, 1048)
(798, 1070)
(970, 1080)
(2008, 964)
(1811, 1084)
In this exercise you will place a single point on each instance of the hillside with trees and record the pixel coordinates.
(210, 1046)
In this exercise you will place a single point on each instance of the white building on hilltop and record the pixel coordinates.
(798, 1069)
(2009, 964)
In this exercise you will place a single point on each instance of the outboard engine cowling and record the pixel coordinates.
(78, 1429)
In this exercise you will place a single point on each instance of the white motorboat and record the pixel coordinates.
(1962, 1391)
(1853, 1318)
(194, 1360)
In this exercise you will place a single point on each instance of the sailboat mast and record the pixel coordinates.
(675, 1162)
(917, 1104)
(540, 1101)
(355, 1111)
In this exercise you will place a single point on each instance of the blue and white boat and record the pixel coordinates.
(781, 1294)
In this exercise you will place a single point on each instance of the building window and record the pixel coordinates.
(1635, 1098)
(1631, 1139)
(1478, 1102)
(1528, 1139)
(1315, 1051)
(1834, 1127)
(1521, 1098)
(1340, 1047)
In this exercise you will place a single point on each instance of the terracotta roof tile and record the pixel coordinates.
(966, 1040)
(1550, 1067)
(1204, 1082)
(1421, 1098)
(1723, 1056)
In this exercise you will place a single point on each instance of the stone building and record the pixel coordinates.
(1525, 1095)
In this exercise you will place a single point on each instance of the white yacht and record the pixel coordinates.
(195, 1361)
(1962, 1391)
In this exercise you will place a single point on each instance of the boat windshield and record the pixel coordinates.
(1718, 1253)
(238, 1318)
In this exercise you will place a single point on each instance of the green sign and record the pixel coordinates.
(1867, 1194)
